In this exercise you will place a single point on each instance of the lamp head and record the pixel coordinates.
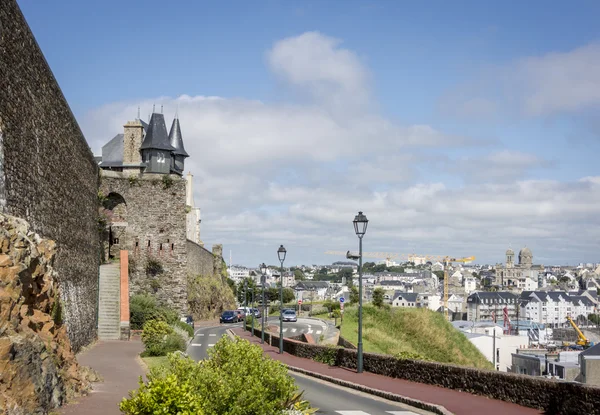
(281, 252)
(360, 224)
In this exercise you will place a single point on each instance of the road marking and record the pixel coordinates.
(352, 413)
(211, 345)
(212, 335)
(309, 331)
(401, 412)
(294, 330)
(196, 344)
(284, 330)
(318, 332)
(201, 334)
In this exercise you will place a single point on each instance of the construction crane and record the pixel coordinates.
(445, 259)
(581, 339)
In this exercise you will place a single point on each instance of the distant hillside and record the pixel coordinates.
(414, 333)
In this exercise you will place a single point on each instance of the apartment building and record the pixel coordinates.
(553, 307)
(483, 306)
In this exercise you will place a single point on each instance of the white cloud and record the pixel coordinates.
(553, 83)
(297, 173)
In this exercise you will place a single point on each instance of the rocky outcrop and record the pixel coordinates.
(38, 369)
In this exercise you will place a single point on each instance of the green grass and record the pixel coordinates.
(157, 361)
(412, 331)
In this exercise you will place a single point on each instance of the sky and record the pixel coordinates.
(459, 128)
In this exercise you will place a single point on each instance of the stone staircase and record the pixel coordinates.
(109, 306)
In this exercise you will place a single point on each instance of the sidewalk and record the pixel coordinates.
(459, 403)
(117, 363)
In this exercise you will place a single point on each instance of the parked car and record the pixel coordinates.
(229, 317)
(289, 315)
(256, 312)
(188, 320)
(240, 314)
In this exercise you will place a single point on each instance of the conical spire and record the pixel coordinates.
(156, 134)
(176, 139)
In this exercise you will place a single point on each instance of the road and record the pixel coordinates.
(329, 398)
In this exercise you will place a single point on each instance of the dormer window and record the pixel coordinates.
(161, 158)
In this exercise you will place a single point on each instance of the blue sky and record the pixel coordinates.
(463, 127)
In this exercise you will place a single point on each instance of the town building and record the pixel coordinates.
(405, 300)
(553, 307)
(311, 290)
(513, 276)
(491, 306)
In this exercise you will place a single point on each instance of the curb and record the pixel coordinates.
(438, 409)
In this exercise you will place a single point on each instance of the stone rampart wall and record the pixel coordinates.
(200, 260)
(555, 397)
(151, 225)
(48, 175)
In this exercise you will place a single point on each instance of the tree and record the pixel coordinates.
(368, 266)
(232, 285)
(440, 274)
(288, 295)
(378, 297)
(353, 295)
(251, 286)
(380, 268)
(345, 272)
(323, 271)
(396, 269)
(299, 275)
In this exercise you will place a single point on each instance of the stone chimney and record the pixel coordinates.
(132, 141)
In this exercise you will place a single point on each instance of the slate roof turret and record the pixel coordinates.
(156, 134)
(176, 139)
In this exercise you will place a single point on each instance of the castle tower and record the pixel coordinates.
(176, 141)
(132, 141)
(525, 257)
(156, 150)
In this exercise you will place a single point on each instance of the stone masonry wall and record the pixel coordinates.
(48, 175)
(200, 260)
(552, 396)
(153, 231)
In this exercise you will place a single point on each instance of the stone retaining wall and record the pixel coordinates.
(555, 397)
(48, 175)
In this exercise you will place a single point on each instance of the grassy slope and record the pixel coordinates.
(419, 331)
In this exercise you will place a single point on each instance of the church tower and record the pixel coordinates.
(510, 258)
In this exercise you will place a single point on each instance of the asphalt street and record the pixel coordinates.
(329, 398)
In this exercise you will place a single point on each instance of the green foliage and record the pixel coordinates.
(594, 318)
(288, 295)
(188, 208)
(159, 339)
(153, 267)
(155, 284)
(354, 295)
(440, 274)
(154, 181)
(208, 296)
(378, 297)
(409, 355)
(167, 181)
(331, 305)
(402, 331)
(299, 275)
(328, 355)
(133, 181)
(184, 326)
(236, 379)
(57, 310)
(345, 272)
(162, 395)
(144, 307)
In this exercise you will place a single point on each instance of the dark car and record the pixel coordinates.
(229, 317)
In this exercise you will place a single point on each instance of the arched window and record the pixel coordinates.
(161, 158)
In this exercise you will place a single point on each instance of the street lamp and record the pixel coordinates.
(245, 302)
(360, 227)
(281, 252)
(263, 270)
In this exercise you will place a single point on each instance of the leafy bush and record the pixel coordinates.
(318, 310)
(162, 395)
(143, 307)
(160, 339)
(236, 379)
(186, 327)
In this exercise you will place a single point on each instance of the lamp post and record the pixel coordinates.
(281, 252)
(263, 278)
(252, 314)
(245, 302)
(360, 227)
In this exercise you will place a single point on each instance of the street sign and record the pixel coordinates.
(342, 300)
(299, 301)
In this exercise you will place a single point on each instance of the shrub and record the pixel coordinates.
(167, 181)
(236, 379)
(318, 310)
(153, 267)
(162, 395)
(186, 327)
(327, 356)
(144, 307)
(160, 338)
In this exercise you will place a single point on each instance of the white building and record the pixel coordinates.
(553, 307)
(405, 300)
(438, 266)
(455, 303)
(470, 285)
(238, 273)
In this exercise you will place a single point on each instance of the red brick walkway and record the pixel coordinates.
(459, 403)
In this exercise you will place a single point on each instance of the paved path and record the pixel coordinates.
(459, 403)
(117, 363)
